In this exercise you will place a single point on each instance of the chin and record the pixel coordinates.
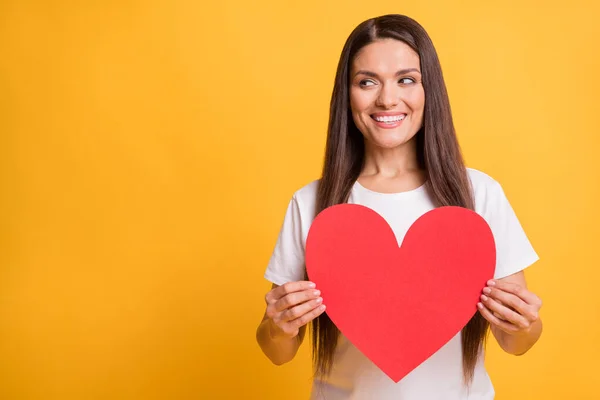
(389, 142)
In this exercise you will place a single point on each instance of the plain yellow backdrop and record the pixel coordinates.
(148, 150)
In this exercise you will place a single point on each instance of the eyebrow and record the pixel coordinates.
(374, 75)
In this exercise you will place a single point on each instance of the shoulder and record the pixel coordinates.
(481, 180)
(303, 201)
(306, 196)
(514, 251)
(486, 189)
(482, 183)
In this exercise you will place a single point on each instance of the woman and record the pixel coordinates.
(391, 146)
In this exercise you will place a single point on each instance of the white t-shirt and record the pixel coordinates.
(353, 375)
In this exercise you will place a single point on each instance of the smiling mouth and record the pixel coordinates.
(388, 120)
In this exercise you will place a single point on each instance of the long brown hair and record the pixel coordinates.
(438, 153)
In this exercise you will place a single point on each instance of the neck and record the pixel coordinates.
(390, 162)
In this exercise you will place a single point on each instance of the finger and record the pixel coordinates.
(298, 311)
(510, 301)
(515, 303)
(517, 290)
(293, 299)
(498, 316)
(505, 313)
(309, 316)
(287, 288)
(492, 319)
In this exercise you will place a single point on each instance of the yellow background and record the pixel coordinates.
(149, 148)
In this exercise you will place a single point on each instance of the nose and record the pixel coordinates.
(389, 96)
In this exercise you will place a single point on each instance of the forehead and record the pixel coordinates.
(386, 56)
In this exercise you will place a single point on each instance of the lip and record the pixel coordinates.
(388, 114)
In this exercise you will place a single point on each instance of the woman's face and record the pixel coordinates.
(386, 94)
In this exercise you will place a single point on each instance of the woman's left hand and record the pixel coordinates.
(509, 306)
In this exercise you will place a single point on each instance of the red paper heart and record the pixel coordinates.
(399, 305)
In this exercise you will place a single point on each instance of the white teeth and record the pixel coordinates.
(394, 118)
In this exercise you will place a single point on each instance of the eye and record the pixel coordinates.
(407, 81)
(365, 82)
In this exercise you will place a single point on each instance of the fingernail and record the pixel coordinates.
(479, 305)
(317, 292)
(491, 282)
(312, 285)
(484, 297)
(320, 299)
(322, 307)
(487, 290)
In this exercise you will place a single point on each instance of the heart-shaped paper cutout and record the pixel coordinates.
(399, 304)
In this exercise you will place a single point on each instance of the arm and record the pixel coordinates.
(278, 348)
(513, 313)
(289, 308)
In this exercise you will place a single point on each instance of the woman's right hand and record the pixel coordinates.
(291, 306)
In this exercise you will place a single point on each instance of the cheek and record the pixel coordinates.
(359, 101)
(416, 101)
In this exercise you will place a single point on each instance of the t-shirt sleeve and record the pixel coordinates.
(287, 260)
(514, 251)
